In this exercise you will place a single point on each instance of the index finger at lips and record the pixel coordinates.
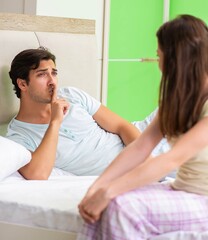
(54, 95)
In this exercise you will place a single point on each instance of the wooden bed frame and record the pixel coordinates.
(73, 41)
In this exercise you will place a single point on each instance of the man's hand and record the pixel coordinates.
(59, 106)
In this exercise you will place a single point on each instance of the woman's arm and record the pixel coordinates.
(133, 155)
(130, 158)
(147, 172)
(111, 122)
(153, 169)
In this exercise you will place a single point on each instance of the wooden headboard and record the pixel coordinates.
(73, 42)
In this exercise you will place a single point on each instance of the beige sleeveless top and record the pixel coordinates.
(192, 176)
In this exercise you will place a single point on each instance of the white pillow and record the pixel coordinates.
(13, 156)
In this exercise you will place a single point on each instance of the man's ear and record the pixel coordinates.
(21, 84)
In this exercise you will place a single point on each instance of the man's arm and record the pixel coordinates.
(43, 158)
(111, 122)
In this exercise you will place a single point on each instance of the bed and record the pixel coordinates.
(48, 209)
(40, 209)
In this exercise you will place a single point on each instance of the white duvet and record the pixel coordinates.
(52, 204)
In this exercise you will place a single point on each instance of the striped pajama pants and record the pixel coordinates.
(147, 212)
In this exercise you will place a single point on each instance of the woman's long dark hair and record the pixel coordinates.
(184, 44)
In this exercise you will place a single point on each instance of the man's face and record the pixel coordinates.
(42, 82)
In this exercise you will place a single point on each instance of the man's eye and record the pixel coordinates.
(41, 74)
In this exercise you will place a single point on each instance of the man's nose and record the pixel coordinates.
(51, 78)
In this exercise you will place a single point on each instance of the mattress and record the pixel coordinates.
(50, 204)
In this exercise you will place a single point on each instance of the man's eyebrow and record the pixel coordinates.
(45, 69)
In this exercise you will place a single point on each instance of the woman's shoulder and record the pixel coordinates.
(204, 112)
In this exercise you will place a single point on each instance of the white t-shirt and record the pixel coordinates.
(84, 148)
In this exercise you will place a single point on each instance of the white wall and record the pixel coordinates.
(87, 9)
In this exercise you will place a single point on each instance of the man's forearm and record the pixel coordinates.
(44, 156)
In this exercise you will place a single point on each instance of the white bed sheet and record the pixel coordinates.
(50, 204)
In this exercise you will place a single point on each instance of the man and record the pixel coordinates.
(65, 128)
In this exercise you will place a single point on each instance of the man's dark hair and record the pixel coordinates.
(24, 62)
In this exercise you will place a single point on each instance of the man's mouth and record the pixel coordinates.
(51, 89)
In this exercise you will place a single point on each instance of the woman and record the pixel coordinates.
(126, 202)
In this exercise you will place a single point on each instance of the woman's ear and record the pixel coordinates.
(21, 84)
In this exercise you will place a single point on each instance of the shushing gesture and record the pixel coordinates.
(59, 106)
